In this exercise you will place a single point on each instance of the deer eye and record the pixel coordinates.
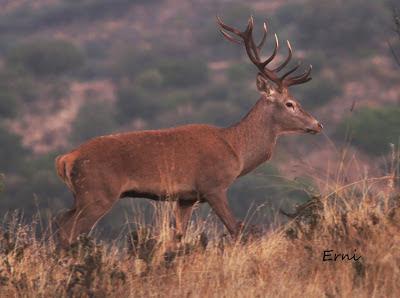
(290, 105)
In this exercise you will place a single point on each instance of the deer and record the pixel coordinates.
(188, 164)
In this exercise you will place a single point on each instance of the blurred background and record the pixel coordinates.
(72, 70)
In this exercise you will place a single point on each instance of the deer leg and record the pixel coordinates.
(60, 221)
(62, 218)
(219, 203)
(183, 212)
(85, 215)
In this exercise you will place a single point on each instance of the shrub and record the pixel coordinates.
(235, 13)
(150, 79)
(8, 104)
(1, 182)
(346, 26)
(34, 186)
(319, 91)
(185, 72)
(240, 72)
(15, 87)
(11, 151)
(44, 182)
(94, 119)
(220, 113)
(267, 187)
(396, 21)
(129, 62)
(176, 97)
(372, 129)
(46, 57)
(136, 101)
(28, 18)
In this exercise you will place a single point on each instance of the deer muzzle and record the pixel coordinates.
(316, 129)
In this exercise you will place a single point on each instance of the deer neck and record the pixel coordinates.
(253, 138)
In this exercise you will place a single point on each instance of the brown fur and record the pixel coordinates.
(193, 163)
(186, 164)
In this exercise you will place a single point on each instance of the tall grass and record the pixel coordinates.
(359, 218)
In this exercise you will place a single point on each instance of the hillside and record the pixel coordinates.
(72, 70)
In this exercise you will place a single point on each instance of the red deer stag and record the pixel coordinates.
(187, 164)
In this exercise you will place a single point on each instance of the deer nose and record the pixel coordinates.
(320, 125)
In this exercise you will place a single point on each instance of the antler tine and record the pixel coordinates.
(228, 28)
(229, 37)
(264, 37)
(291, 70)
(280, 67)
(265, 63)
(304, 77)
(251, 47)
(250, 26)
(253, 51)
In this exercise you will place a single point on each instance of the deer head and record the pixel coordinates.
(284, 111)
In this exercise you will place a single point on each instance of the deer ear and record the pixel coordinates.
(263, 84)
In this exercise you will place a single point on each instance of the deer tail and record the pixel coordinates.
(62, 170)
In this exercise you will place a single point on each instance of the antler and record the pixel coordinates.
(253, 51)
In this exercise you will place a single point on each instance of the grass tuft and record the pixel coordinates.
(345, 242)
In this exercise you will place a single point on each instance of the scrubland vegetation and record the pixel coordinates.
(179, 70)
(163, 65)
(360, 219)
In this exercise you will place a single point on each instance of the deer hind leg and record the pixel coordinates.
(219, 203)
(89, 209)
(183, 212)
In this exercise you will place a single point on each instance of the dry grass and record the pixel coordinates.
(361, 217)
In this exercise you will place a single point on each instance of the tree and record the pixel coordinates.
(11, 151)
(183, 72)
(396, 21)
(94, 119)
(342, 27)
(46, 57)
(1, 182)
(8, 104)
(372, 129)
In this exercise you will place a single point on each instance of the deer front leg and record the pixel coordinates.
(219, 203)
(183, 212)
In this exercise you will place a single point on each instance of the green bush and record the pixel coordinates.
(59, 89)
(8, 104)
(222, 113)
(318, 92)
(253, 188)
(183, 72)
(215, 92)
(176, 97)
(346, 26)
(150, 79)
(130, 62)
(133, 101)
(1, 182)
(11, 151)
(94, 119)
(372, 129)
(35, 185)
(27, 18)
(266, 186)
(15, 87)
(46, 57)
(235, 13)
(239, 72)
